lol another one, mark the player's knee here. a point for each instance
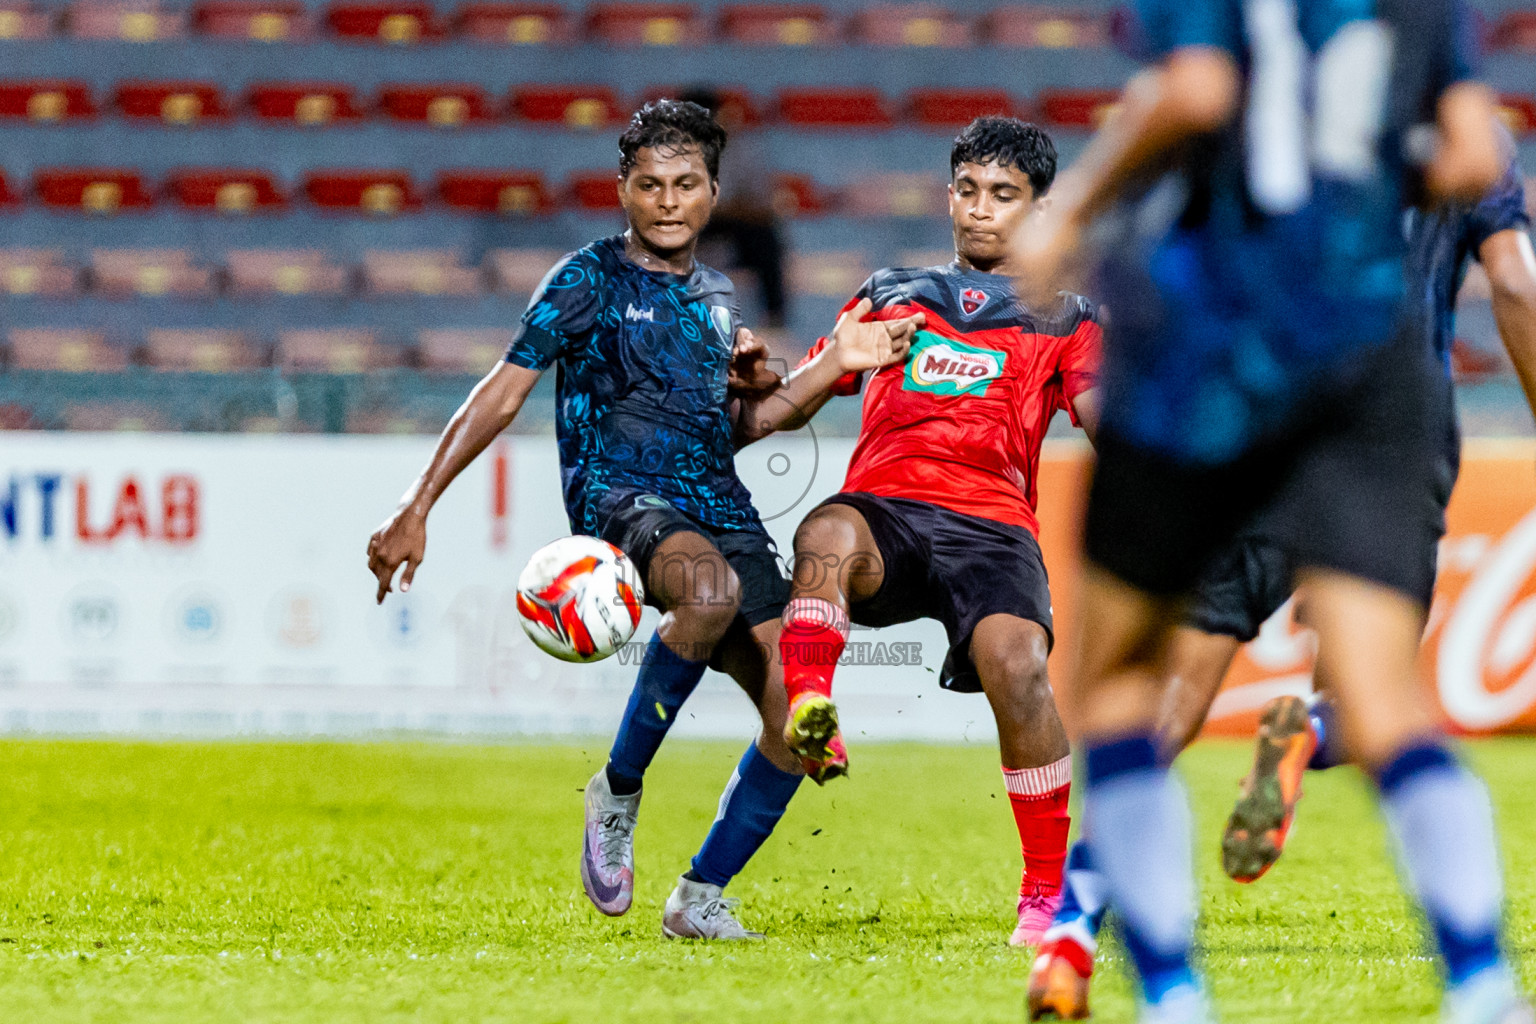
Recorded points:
(1023, 681)
(713, 602)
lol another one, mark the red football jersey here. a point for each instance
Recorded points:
(961, 422)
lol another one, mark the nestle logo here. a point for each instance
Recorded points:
(647, 315)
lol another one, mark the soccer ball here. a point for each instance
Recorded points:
(579, 599)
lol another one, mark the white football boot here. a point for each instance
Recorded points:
(696, 910)
(1488, 997)
(608, 846)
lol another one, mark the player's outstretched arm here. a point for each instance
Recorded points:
(489, 409)
(1511, 266)
(856, 345)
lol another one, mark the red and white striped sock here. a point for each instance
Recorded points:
(1039, 798)
(815, 632)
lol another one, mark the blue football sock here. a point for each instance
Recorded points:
(752, 804)
(664, 683)
(1329, 752)
(1082, 891)
(1136, 820)
(1443, 822)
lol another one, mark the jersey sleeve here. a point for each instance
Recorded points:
(563, 310)
(1169, 25)
(1078, 366)
(1502, 209)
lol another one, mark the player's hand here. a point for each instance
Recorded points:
(749, 375)
(1048, 259)
(859, 344)
(402, 540)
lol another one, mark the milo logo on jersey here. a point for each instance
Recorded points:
(944, 366)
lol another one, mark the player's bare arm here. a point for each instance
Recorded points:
(1086, 408)
(1511, 267)
(489, 409)
(856, 344)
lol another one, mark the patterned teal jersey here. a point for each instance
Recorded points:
(642, 360)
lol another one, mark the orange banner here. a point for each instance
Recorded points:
(1479, 654)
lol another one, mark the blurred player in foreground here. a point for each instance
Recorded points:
(1252, 579)
(936, 518)
(658, 386)
(1252, 359)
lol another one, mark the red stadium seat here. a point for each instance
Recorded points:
(380, 193)
(200, 350)
(519, 271)
(778, 25)
(20, 20)
(418, 272)
(224, 190)
(1048, 27)
(37, 272)
(512, 193)
(284, 272)
(262, 21)
(531, 24)
(462, 350)
(396, 22)
(1077, 108)
(833, 108)
(737, 107)
(573, 106)
(174, 103)
(1514, 32)
(92, 190)
(1519, 113)
(645, 24)
(9, 199)
(124, 273)
(46, 101)
(338, 350)
(449, 105)
(79, 351)
(910, 25)
(896, 195)
(953, 108)
(795, 195)
(595, 191)
(310, 104)
(130, 22)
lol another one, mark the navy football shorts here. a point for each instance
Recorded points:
(952, 567)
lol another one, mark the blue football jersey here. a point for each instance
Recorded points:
(1279, 252)
(642, 358)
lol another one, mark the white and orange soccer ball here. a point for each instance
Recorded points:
(579, 599)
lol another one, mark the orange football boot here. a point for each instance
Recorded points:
(1256, 832)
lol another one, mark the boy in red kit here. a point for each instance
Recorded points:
(936, 518)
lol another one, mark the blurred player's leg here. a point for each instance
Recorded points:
(1197, 664)
(690, 578)
(1438, 811)
(1010, 657)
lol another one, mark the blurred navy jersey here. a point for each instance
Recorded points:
(1272, 257)
(1440, 244)
(641, 387)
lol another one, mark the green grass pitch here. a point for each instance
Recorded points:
(391, 882)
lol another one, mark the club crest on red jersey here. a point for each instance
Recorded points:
(971, 301)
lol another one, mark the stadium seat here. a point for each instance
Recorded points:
(99, 417)
(77, 351)
(896, 195)
(955, 108)
(180, 104)
(833, 108)
(418, 272)
(595, 191)
(1047, 27)
(520, 271)
(1077, 108)
(21, 20)
(394, 22)
(200, 350)
(462, 349)
(46, 101)
(572, 106)
(37, 272)
(530, 24)
(796, 195)
(510, 193)
(152, 273)
(92, 190)
(9, 199)
(1515, 32)
(778, 25)
(258, 272)
(261, 21)
(311, 104)
(333, 350)
(645, 24)
(737, 106)
(225, 190)
(829, 275)
(447, 105)
(1519, 113)
(910, 25)
(130, 22)
(380, 193)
